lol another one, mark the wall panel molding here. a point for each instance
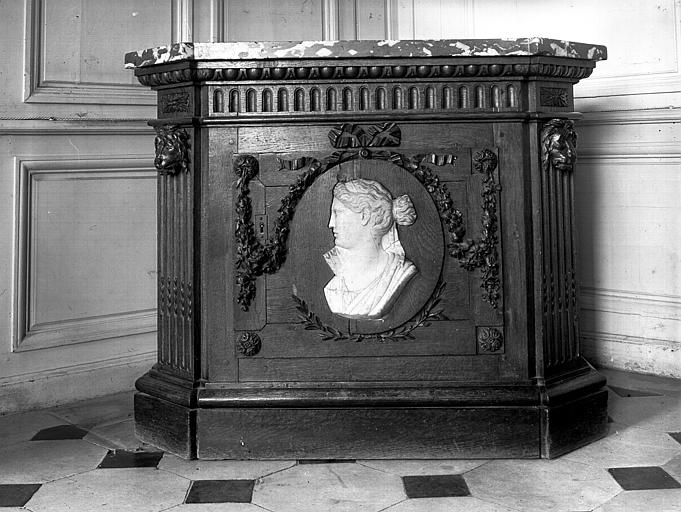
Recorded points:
(27, 334)
(48, 388)
(52, 126)
(634, 354)
(39, 90)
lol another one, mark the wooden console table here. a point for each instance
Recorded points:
(366, 249)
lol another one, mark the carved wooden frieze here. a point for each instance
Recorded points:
(172, 103)
(553, 97)
(355, 136)
(172, 150)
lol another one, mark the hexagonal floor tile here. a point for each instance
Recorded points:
(659, 413)
(328, 487)
(216, 507)
(16, 428)
(98, 411)
(134, 490)
(540, 485)
(640, 381)
(423, 467)
(628, 446)
(120, 435)
(460, 504)
(44, 461)
(673, 467)
(221, 469)
(660, 501)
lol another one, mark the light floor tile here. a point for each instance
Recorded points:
(668, 500)
(540, 485)
(673, 467)
(216, 507)
(423, 467)
(16, 428)
(661, 413)
(221, 469)
(463, 504)
(640, 381)
(628, 446)
(120, 490)
(118, 436)
(329, 488)
(44, 461)
(99, 411)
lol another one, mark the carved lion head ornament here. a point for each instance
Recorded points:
(172, 150)
(558, 141)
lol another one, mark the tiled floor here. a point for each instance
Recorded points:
(85, 457)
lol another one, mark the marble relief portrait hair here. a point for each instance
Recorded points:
(368, 261)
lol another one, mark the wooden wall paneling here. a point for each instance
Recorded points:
(628, 221)
(182, 21)
(87, 68)
(371, 19)
(80, 265)
(273, 20)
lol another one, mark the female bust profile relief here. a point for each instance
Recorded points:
(368, 259)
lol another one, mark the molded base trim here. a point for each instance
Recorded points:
(301, 424)
(38, 390)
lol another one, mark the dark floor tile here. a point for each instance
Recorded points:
(643, 478)
(16, 495)
(610, 420)
(326, 461)
(435, 486)
(59, 433)
(126, 459)
(676, 436)
(220, 491)
(631, 393)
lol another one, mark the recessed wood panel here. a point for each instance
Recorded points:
(273, 20)
(87, 254)
(93, 245)
(85, 41)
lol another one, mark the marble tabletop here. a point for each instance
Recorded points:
(274, 50)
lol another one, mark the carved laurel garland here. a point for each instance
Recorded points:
(312, 322)
(253, 258)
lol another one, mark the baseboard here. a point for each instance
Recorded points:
(640, 355)
(69, 384)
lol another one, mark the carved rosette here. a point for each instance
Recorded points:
(173, 103)
(249, 344)
(490, 339)
(172, 150)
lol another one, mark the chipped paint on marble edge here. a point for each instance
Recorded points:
(252, 50)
